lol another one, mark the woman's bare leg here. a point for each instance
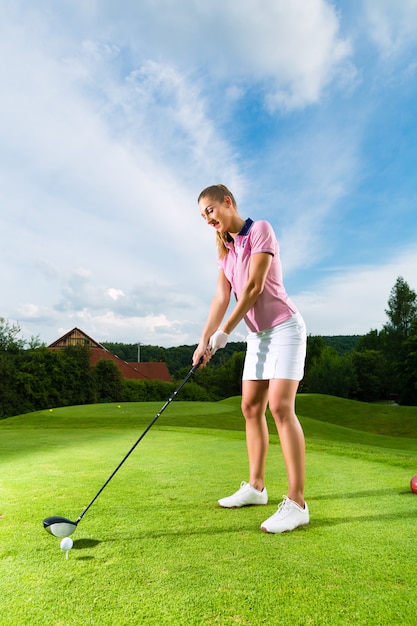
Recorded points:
(282, 394)
(254, 401)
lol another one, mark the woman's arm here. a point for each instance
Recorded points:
(259, 266)
(217, 310)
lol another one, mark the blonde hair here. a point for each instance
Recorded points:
(218, 194)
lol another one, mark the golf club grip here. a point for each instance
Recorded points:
(149, 426)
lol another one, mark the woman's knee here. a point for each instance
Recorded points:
(252, 411)
(282, 411)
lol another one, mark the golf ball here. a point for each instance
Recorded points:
(66, 543)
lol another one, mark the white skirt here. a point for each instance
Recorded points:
(278, 352)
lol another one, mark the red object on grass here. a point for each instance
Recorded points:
(413, 484)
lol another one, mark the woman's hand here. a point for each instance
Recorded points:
(202, 352)
(218, 340)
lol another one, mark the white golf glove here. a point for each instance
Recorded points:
(218, 340)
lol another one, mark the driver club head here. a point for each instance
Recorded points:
(59, 526)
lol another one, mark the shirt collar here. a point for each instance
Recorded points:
(246, 227)
(244, 231)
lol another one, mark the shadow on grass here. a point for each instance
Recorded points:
(352, 495)
(158, 534)
(237, 524)
(245, 526)
(314, 524)
(241, 525)
(81, 544)
(378, 517)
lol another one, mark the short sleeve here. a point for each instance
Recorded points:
(263, 238)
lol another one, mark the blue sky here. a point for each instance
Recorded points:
(114, 116)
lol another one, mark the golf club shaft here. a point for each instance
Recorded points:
(149, 426)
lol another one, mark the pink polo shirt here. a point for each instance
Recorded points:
(273, 305)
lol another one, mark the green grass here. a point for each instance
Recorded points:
(384, 419)
(155, 549)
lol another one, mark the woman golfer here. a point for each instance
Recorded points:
(249, 265)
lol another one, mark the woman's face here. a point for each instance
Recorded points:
(219, 215)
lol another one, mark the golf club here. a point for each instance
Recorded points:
(63, 527)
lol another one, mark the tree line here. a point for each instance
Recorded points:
(381, 365)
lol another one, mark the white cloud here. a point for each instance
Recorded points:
(353, 300)
(292, 49)
(83, 191)
(392, 25)
(150, 329)
(115, 294)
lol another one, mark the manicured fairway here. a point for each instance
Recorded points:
(155, 548)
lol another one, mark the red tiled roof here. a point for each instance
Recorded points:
(132, 371)
(153, 371)
(135, 371)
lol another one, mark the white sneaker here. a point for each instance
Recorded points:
(245, 496)
(289, 516)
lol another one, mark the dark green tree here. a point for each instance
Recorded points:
(33, 382)
(371, 375)
(402, 309)
(409, 369)
(10, 403)
(79, 386)
(9, 341)
(11, 358)
(107, 381)
(373, 340)
(331, 374)
(397, 337)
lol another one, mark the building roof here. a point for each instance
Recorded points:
(75, 337)
(132, 371)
